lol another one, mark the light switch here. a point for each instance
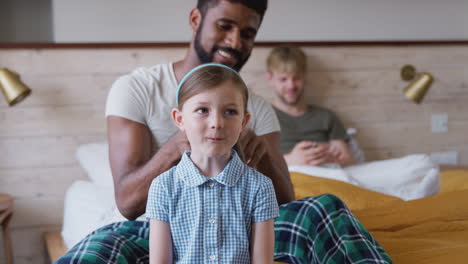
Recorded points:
(439, 123)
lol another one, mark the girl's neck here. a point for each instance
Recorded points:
(210, 166)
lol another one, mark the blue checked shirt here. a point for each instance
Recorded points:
(211, 218)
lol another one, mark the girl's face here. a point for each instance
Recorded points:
(213, 120)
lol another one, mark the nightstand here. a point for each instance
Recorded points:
(6, 210)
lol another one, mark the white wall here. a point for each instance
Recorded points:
(318, 20)
(121, 20)
(26, 21)
(292, 20)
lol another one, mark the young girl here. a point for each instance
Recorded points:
(211, 207)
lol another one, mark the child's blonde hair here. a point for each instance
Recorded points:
(287, 58)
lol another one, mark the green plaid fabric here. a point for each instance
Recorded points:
(121, 242)
(318, 229)
(321, 229)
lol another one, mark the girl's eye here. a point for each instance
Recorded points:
(202, 110)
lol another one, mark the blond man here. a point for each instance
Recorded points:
(310, 135)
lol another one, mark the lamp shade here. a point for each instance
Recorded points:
(12, 88)
(416, 90)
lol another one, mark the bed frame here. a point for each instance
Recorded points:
(55, 245)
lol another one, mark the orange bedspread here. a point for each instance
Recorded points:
(429, 230)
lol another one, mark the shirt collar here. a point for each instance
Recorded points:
(190, 174)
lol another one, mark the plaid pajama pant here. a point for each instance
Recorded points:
(318, 229)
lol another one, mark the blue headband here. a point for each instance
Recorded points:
(194, 70)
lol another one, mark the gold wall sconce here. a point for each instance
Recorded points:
(419, 85)
(12, 87)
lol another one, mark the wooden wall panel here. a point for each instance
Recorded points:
(54, 121)
(36, 182)
(39, 137)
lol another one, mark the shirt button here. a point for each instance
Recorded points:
(212, 184)
(212, 257)
(212, 221)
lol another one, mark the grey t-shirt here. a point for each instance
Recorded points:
(316, 124)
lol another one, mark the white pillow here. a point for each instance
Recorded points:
(87, 207)
(90, 205)
(410, 177)
(94, 159)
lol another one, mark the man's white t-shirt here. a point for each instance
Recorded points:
(147, 96)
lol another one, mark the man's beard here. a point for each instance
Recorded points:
(206, 57)
(290, 102)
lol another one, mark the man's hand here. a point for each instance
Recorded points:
(177, 143)
(253, 147)
(262, 153)
(340, 153)
(308, 153)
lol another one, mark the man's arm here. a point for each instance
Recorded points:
(133, 168)
(272, 164)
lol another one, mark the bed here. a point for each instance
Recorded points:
(429, 230)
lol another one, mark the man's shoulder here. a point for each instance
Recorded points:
(153, 73)
(263, 119)
(132, 95)
(257, 105)
(145, 83)
(255, 99)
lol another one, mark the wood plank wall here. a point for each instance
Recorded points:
(39, 137)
